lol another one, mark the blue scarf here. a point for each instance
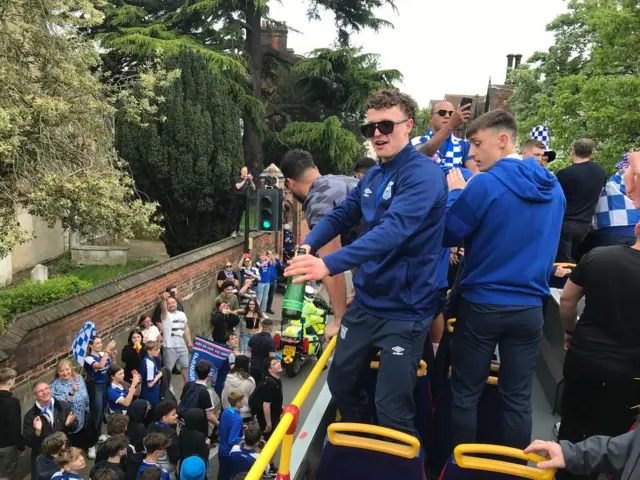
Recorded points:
(454, 151)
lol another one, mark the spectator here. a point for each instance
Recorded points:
(156, 445)
(289, 242)
(167, 415)
(97, 364)
(272, 181)
(45, 464)
(362, 166)
(115, 449)
(274, 267)
(242, 186)
(132, 354)
(136, 429)
(262, 289)
(243, 456)
(603, 355)
(196, 394)
(230, 433)
(533, 148)
(150, 375)
(153, 473)
(239, 379)
(271, 397)
(71, 461)
(106, 475)
(440, 142)
(632, 178)
(119, 394)
(70, 387)
(223, 321)
(177, 336)
(172, 291)
(194, 435)
(582, 183)
(150, 333)
(252, 317)
(248, 271)
(47, 416)
(12, 443)
(218, 379)
(501, 299)
(116, 425)
(193, 468)
(228, 275)
(261, 346)
(228, 296)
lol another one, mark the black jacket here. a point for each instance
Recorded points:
(222, 324)
(194, 435)
(173, 451)
(61, 410)
(136, 430)
(45, 467)
(10, 415)
(132, 360)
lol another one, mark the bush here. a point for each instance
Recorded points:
(32, 294)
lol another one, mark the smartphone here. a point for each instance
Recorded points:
(134, 372)
(466, 101)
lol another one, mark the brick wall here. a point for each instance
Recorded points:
(35, 341)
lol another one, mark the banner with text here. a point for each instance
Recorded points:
(205, 350)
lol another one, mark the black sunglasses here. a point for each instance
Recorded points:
(385, 127)
(443, 113)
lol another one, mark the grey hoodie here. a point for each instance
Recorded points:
(236, 382)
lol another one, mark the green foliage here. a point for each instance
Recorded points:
(422, 123)
(32, 294)
(587, 84)
(187, 162)
(99, 274)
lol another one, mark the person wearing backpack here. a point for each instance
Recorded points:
(196, 394)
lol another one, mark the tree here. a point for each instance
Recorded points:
(587, 84)
(56, 132)
(187, 162)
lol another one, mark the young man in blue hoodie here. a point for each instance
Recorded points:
(402, 201)
(510, 219)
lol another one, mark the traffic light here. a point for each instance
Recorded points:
(269, 210)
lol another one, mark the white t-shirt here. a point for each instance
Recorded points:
(173, 329)
(150, 334)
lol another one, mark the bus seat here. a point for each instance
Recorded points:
(465, 464)
(351, 452)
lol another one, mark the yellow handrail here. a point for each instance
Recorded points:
(422, 368)
(464, 460)
(280, 434)
(450, 324)
(408, 448)
(564, 264)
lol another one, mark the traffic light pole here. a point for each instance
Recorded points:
(247, 214)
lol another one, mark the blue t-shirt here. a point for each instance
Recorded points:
(242, 460)
(145, 465)
(265, 275)
(273, 270)
(113, 395)
(102, 374)
(62, 475)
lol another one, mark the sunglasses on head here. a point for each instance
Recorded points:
(443, 113)
(385, 127)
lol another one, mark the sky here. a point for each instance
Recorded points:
(440, 46)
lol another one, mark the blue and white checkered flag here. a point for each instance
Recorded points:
(80, 344)
(541, 133)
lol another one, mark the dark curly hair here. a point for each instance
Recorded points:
(392, 98)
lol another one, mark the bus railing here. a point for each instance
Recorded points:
(286, 429)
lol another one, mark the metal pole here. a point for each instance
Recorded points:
(247, 212)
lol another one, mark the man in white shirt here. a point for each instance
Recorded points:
(176, 335)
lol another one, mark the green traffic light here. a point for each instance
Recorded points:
(266, 224)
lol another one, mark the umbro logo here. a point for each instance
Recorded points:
(367, 192)
(397, 350)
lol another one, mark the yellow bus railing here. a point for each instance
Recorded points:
(286, 429)
(465, 459)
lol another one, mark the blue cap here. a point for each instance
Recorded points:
(192, 468)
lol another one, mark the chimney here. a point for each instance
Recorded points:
(518, 60)
(510, 61)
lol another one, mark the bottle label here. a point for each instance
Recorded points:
(292, 304)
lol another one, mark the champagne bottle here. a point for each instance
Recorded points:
(294, 296)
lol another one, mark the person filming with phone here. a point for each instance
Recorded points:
(440, 142)
(241, 187)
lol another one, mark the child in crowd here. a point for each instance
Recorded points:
(104, 475)
(116, 425)
(137, 430)
(71, 462)
(115, 448)
(193, 468)
(243, 456)
(155, 445)
(230, 433)
(150, 374)
(167, 415)
(46, 464)
(194, 435)
(152, 473)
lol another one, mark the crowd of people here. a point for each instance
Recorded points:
(149, 433)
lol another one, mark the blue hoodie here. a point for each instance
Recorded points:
(453, 195)
(510, 219)
(402, 203)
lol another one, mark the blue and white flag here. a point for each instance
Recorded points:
(80, 344)
(541, 133)
(205, 350)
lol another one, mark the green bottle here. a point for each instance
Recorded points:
(294, 297)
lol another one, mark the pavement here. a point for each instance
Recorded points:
(290, 388)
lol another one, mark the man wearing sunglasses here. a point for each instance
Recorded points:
(440, 142)
(402, 202)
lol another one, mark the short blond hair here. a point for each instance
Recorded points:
(235, 397)
(6, 375)
(152, 345)
(67, 455)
